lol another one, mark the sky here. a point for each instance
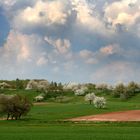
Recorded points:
(70, 40)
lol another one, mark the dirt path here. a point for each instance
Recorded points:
(2, 118)
(133, 115)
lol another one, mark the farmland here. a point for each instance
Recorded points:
(49, 120)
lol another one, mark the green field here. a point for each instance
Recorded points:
(48, 121)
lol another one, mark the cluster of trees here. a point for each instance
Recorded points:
(53, 90)
(99, 102)
(121, 90)
(14, 106)
(126, 91)
(13, 84)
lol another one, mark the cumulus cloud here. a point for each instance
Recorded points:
(88, 17)
(17, 46)
(20, 52)
(42, 61)
(102, 53)
(110, 49)
(86, 53)
(42, 13)
(62, 46)
(124, 13)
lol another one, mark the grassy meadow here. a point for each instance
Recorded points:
(49, 120)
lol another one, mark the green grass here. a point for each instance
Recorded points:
(47, 121)
(71, 132)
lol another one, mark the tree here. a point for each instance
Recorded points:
(90, 97)
(102, 86)
(54, 90)
(14, 106)
(119, 89)
(99, 102)
(132, 88)
(19, 84)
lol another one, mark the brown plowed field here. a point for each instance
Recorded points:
(133, 115)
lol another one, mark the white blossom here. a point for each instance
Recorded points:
(81, 91)
(90, 97)
(99, 102)
(39, 98)
(43, 84)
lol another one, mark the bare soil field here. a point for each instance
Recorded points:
(133, 115)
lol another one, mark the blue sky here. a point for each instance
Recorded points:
(4, 28)
(74, 40)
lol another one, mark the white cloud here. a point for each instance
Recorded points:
(42, 61)
(54, 34)
(110, 49)
(43, 13)
(91, 57)
(86, 53)
(17, 45)
(123, 12)
(8, 2)
(62, 46)
(23, 50)
(88, 17)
